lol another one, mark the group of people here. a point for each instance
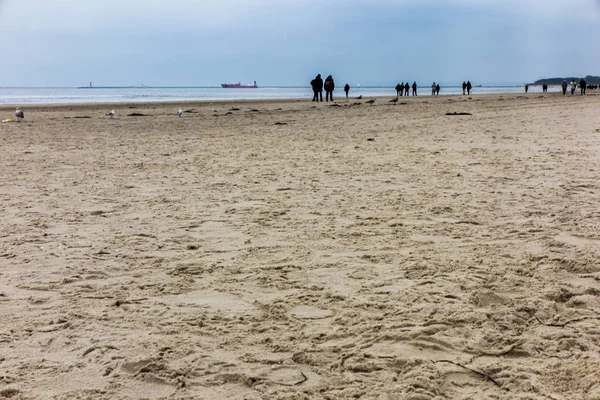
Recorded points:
(466, 87)
(318, 85)
(403, 89)
(573, 86)
(569, 87)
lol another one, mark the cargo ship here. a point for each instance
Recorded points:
(239, 85)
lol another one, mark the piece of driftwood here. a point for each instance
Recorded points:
(484, 375)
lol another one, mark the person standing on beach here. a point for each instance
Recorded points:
(582, 86)
(469, 87)
(406, 88)
(317, 87)
(399, 88)
(414, 88)
(329, 88)
(545, 88)
(437, 89)
(433, 89)
(573, 87)
(564, 87)
(464, 86)
(347, 89)
(526, 88)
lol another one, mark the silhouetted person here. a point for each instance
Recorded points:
(433, 89)
(399, 88)
(526, 88)
(329, 88)
(469, 87)
(582, 86)
(347, 89)
(437, 89)
(464, 86)
(564, 87)
(545, 88)
(317, 87)
(414, 88)
(573, 87)
(406, 88)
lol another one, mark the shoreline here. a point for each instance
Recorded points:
(67, 96)
(205, 103)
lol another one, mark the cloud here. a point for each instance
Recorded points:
(94, 15)
(74, 16)
(184, 42)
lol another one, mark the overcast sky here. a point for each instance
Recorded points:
(287, 42)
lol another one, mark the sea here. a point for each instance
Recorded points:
(21, 96)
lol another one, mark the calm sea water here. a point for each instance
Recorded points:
(20, 96)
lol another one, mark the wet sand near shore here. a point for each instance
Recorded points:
(293, 250)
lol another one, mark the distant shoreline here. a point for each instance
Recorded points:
(424, 86)
(122, 95)
(247, 102)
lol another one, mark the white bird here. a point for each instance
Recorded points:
(179, 112)
(19, 114)
(111, 113)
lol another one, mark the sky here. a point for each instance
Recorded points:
(68, 43)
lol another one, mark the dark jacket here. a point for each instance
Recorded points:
(317, 84)
(329, 84)
(399, 87)
(347, 88)
(414, 86)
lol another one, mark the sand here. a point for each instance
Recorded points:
(271, 250)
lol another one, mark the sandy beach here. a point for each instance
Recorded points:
(293, 250)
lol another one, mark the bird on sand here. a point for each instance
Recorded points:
(394, 100)
(111, 113)
(359, 97)
(179, 112)
(19, 114)
(372, 101)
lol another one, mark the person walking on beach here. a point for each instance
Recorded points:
(347, 89)
(406, 88)
(573, 87)
(564, 87)
(329, 88)
(414, 88)
(464, 86)
(582, 86)
(433, 89)
(317, 87)
(469, 87)
(437, 89)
